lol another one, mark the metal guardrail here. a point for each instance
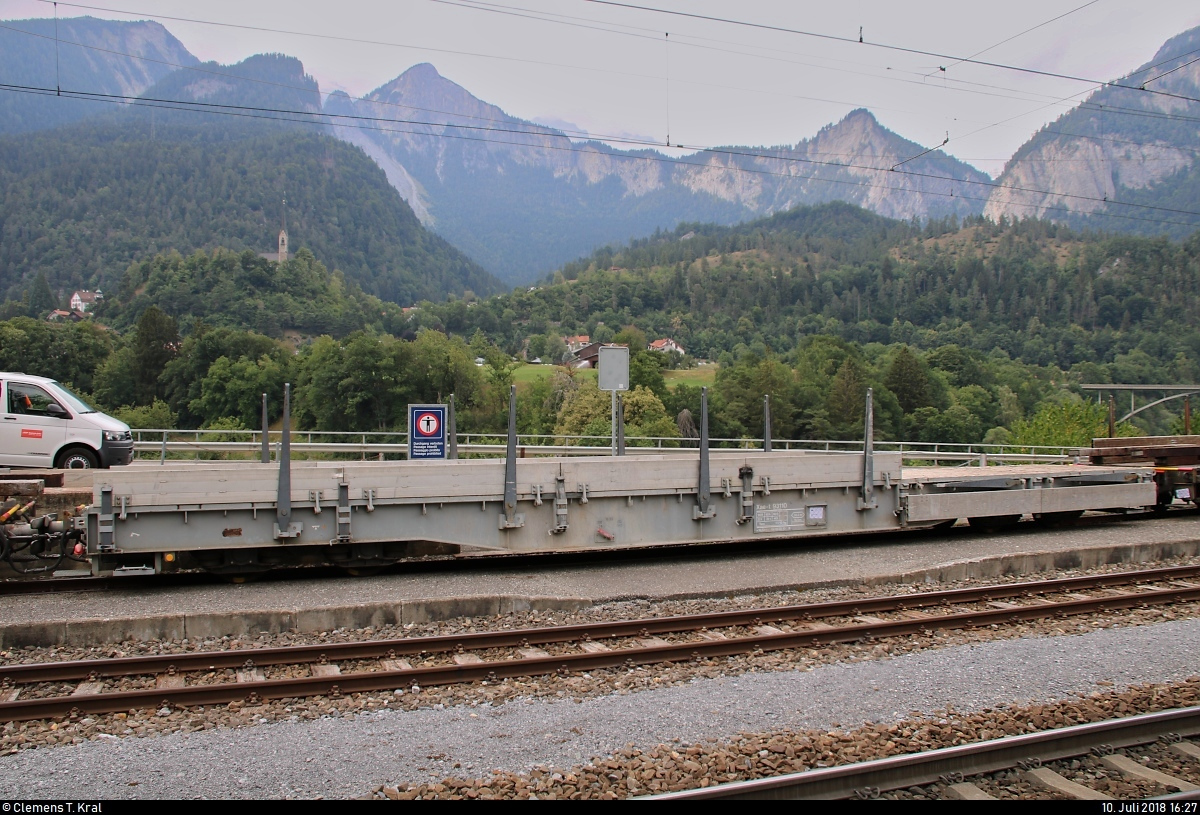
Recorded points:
(198, 444)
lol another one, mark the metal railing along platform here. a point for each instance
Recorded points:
(182, 445)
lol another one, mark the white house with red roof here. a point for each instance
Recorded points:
(577, 342)
(665, 345)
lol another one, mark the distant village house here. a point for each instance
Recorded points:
(576, 342)
(84, 301)
(665, 345)
(589, 355)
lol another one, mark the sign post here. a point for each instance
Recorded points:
(427, 432)
(613, 362)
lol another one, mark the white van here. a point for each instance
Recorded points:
(42, 424)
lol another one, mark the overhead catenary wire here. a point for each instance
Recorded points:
(57, 68)
(1042, 24)
(492, 7)
(534, 128)
(1167, 73)
(1104, 109)
(1153, 114)
(366, 123)
(478, 5)
(889, 47)
(768, 156)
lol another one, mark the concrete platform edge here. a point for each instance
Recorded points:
(236, 624)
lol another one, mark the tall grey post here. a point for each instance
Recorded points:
(284, 527)
(620, 425)
(766, 423)
(511, 519)
(867, 499)
(266, 427)
(614, 423)
(702, 510)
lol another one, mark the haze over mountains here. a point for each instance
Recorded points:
(1133, 153)
(522, 198)
(94, 56)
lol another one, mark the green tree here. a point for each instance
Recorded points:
(954, 425)
(907, 378)
(116, 380)
(586, 411)
(646, 370)
(536, 349)
(633, 337)
(68, 352)
(183, 376)
(738, 398)
(41, 299)
(154, 345)
(646, 419)
(847, 399)
(154, 416)
(442, 365)
(1072, 422)
(233, 389)
(556, 349)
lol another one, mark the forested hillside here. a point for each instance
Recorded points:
(81, 204)
(1024, 310)
(1036, 291)
(967, 333)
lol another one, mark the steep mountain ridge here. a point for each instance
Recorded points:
(268, 81)
(87, 55)
(1116, 144)
(522, 198)
(478, 174)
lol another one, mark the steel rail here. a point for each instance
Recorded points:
(407, 646)
(40, 708)
(915, 769)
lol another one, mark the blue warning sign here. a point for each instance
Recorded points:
(426, 432)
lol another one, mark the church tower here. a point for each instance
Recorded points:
(283, 236)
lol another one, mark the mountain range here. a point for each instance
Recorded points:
(83, 54)
(521, 198)
(1135, 140)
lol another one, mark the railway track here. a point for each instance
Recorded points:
(54, 689)
(1037, 763)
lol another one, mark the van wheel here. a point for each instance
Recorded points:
(77, 458)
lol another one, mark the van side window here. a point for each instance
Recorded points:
(29, 399)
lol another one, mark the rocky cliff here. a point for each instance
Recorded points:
(523, 198)
(88, 55)
(1122, 143)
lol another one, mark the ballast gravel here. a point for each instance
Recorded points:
(349, 756)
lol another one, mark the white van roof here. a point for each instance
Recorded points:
(45, 380)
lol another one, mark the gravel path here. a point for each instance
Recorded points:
(348, 756)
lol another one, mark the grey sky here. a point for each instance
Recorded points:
(715, 83)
